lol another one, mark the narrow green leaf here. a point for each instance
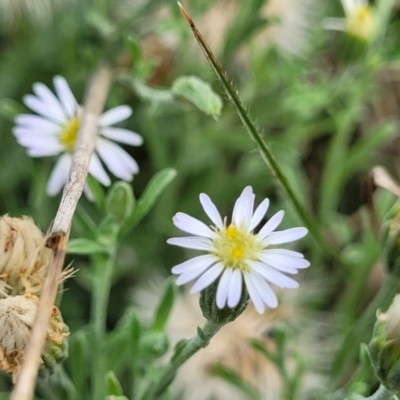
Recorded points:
(235, 380)
(85, 246)
(199, 93)
(153, 190)
(114, 387)
(164, 307)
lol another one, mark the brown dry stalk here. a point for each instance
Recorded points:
(59, 232)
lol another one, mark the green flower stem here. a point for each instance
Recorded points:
(362, 330)
(381, 394)
(183, 351)
(266, 153)
(100, 296)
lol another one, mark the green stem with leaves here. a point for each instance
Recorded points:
(100, 296)
(183, 351)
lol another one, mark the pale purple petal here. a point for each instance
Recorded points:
(253, 293)
(114, 115)
(271, 225)
(286, 236)
(223, 288)
(194, 263)
(285, 252)
(211, 211)
(122, 135)
(235, 288)
(191, 225)
(97, 171)
(259, 214)
(59, 175)
(191, 242)
(207, 278)
(66, 97)
(243, 209)
(117, 160)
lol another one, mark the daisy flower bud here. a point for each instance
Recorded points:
(385, 346)
(237, 258)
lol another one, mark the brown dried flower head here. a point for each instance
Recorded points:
(23, 256)
(17, 315)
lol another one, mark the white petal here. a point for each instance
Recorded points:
(211, 211)
(286, 236)
(191, 242)
(294, 262)
(207, 278)
(191, 225)
(50, 100)
(192, 274)
(122, 135)
(264, 290)
(271, 225)
(259, 214)
(274, 276)
(88, 193)
(223, 288)
(243, 209)
(194, 263)
(47, 146)
(44, 109)
(285, 252)
(117, 160)
(66, 97)
(36, 123)
(50, 150)
(280, 267)
(97, 170)
(59, 175)
(235, 289)
(253, 293)
(114, 115)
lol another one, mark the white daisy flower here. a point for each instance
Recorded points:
(360, 20)
(54, 130)
(236, 254)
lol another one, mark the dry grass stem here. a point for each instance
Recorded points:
(59, 232)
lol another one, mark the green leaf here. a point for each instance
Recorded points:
(120, 201)
(235, 380)
(153, 190)
(114, 387)
(164, 307)
(9, 109)
(85, 246)
(97, 192)
(198, 93)
(78, 360)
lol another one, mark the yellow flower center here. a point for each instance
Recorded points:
(69, 133)
(361, 22)
(234, 247)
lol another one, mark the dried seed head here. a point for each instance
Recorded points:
(23, 256)
(17, 315)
